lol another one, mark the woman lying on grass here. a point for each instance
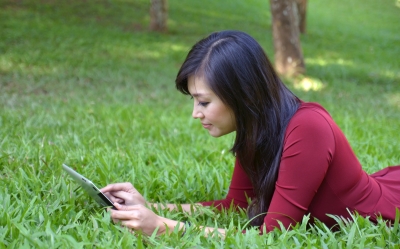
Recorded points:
(291, 157)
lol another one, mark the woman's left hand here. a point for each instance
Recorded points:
(138, 217)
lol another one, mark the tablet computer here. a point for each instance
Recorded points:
(89, 187)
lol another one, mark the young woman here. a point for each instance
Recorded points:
(291, 157)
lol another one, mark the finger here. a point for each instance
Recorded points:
(113, 198)
(122, 195)
(116, 200)
(125, 214)
(109, 195)
(125, 186)
(130, 224)
(127, 208)
(120, 201)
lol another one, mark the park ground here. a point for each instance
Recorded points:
(85, 83)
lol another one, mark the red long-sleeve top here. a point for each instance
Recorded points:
(319, 174)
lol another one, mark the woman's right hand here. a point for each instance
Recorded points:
(123, 193)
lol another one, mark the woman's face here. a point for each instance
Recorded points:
(214, 115)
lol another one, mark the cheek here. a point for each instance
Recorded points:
(231, 122)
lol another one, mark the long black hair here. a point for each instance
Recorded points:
(238, 71)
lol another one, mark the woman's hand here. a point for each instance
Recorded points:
(138, 217)
(123, 193)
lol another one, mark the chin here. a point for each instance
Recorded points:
(214, 134)
(218, 134)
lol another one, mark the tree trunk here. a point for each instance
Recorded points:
(158, 15)
(285, 30)
(302, 13)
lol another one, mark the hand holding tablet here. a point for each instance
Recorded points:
(89, 187)
(123, 193)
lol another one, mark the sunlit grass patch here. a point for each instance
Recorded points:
(394, 99)
(308, 84)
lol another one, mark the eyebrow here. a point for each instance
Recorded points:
(198, 94)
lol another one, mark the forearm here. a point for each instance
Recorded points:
(171, 224)
(188, 208)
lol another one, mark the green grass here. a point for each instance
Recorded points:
(86, 83)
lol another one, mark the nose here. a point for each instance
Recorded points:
(197, 113)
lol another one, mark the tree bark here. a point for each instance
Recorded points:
(286, 35)
(302, 13)
(158, 15)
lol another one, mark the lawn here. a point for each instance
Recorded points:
(85, 83)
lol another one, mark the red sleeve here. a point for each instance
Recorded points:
(307, 152)
(240, 190)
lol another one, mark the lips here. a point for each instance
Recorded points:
(206, 126)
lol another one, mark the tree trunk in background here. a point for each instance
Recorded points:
(158, 15)
(302, 13)
(286, 34)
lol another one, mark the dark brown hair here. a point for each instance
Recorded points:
(238, 71)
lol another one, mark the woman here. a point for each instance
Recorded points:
(291, 158)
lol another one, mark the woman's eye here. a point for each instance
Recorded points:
(203, 103)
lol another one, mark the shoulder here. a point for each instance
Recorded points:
(310, 119)
(310, 134)
(310, 113)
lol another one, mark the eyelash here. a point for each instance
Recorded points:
(204, 104)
